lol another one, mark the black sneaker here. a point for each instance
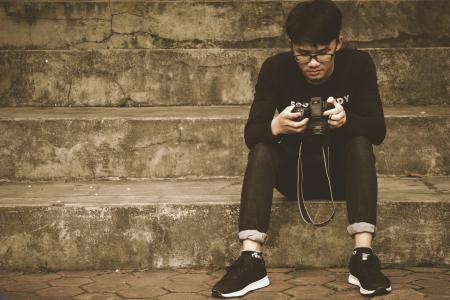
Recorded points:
(365, 272)
(246, 274)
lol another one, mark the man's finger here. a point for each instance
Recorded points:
(340, 115)
(294, 124)
(288, 109)
(291, 116)
(334, 111)
(335, 124)
(332, 101)
(337, 117)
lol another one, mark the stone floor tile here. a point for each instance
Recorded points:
(347, 295)
(60, 291)
(311, 272)
(340, 284)
(395, 272)
(12, 273)
(156, 274)
(6, 280)
(192, 271)
(427, 270)
(403, 286)
(192, 277)
(105, 286)
(279, 276)
(141, 292)
(338, 270)
(114, 277)
(280, 270)
(20, 296)
(277, 286)
(25, 286)
(311, 277)
(97, 296)
(80, 273)
(36, 277)
(407, 278)
(206, 293)
(184, 286)
(400, 294)
(70, 281)
(309, 291)
(265, 296)
(437, 297)
(182, 296)
(148, 281)
(432, 283)
(433, 291)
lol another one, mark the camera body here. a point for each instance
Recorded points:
(318, 123)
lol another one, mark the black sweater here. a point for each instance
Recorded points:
(353, 83)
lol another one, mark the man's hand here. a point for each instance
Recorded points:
(337, 116)
(283, 123)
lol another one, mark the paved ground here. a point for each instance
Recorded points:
(408, 283)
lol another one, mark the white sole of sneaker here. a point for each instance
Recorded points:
(353, 280)
(252, 286)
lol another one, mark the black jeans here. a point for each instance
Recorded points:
(352, 172)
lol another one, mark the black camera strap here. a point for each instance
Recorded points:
(301, 204)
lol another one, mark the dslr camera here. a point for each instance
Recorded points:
(318, 123)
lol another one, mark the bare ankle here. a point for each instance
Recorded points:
(249, 245)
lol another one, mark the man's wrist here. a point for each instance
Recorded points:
(273, 127)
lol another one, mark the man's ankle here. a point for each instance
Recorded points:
(249, 245)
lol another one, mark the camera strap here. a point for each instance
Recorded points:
(301, 204)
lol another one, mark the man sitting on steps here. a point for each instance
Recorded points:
(316, 66)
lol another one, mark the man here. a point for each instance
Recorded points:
(316, 66)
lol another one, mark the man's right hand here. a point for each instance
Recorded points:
(283, 123)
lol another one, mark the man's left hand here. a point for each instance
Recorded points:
(336, 116)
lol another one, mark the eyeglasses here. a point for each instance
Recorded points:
(322, 57)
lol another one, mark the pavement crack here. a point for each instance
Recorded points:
(430, 185)
(68, 94)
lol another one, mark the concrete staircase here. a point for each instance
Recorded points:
(122, 122)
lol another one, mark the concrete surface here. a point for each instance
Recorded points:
(161, 142)
(172, 223)
(209, 24)
(192, 76)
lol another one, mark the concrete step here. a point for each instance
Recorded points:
(192, 77)
(193, 223)
(160, 142)
(209, 24)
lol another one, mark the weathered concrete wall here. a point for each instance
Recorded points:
(209, 24)
(191, 235)
(87, 143)
(191, 77)
(415, 145)
(82, 149)
(54, 25)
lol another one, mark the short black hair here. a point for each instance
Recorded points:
(317, 22)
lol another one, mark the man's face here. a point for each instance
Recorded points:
(317, 70)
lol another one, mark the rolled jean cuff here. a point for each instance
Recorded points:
(253, 235)
(354, 228)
